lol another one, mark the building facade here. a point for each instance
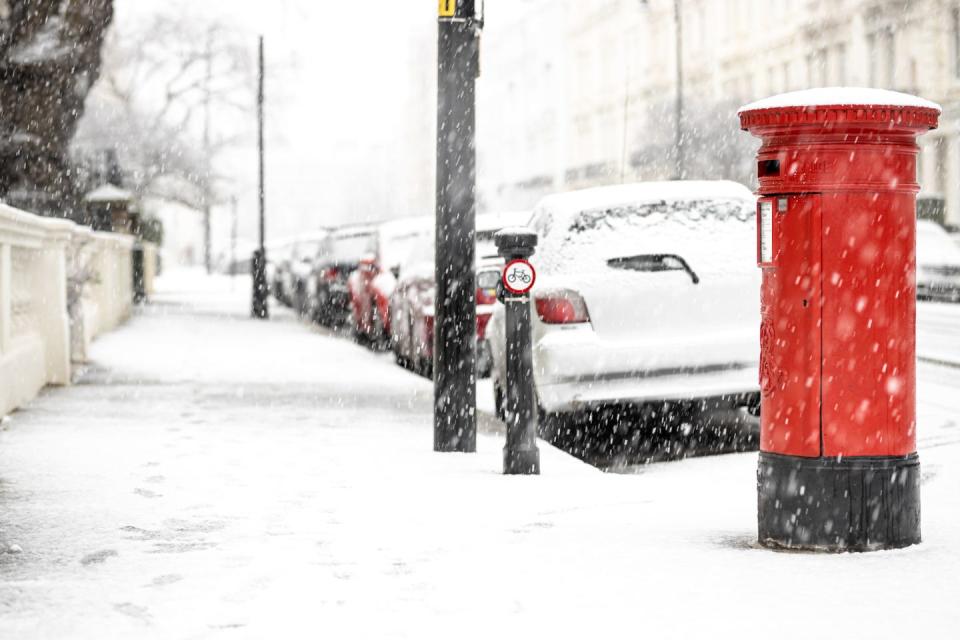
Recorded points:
(583, 93)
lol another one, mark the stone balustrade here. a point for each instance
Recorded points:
(61, 285)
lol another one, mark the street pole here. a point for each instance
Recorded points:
(259, 265)
(678, 115)
(207, 190)
(233, 239)
(455, 322)
(520, 453)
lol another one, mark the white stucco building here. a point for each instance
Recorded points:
(582, 92)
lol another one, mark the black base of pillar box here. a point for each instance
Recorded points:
(521, 461)
(838, 504)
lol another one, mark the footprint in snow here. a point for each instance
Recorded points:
(165, 579)
(98, 557)
(133, 610)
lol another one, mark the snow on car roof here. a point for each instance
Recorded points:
(349, 231)
(840, 96)
(574, 202)
(495, 221)
(311, 236)
(406, 226)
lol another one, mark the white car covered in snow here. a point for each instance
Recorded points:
(938, 263)
(644, 293)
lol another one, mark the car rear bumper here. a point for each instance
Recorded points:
(689, 383)
(939, 290)
(575, 369)
(338, 297)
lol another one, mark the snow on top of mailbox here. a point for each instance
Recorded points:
(840, 96)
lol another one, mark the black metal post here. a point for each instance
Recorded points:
(139, 287)
(261, 307)
(455, 322)
(233, 238)
(520, 454)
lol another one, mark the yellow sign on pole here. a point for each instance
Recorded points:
(448, 8)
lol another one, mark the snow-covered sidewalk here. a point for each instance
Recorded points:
(214, 476)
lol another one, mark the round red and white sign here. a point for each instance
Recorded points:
(519, 276)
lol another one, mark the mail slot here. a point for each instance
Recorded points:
(836, 225)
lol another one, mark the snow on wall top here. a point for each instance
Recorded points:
(840, 96)
(108, 193)
(575, 202)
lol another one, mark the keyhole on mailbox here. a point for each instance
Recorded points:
(805, 303)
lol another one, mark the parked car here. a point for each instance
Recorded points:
(278, 253)
(297, 270)
(340, 253)
(412, 303)
(411, 309)
(487, 226)
(646, 293)
(938, 263)
(278, 261)
(488, 276)
(373, 282)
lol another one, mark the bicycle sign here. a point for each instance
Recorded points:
(519, 276)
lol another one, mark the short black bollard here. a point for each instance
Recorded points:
(139, 288)
(520, 454)
(259, 268)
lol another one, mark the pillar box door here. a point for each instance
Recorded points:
(790, 310)
(836, 222)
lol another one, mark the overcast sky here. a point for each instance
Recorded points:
(337, 73)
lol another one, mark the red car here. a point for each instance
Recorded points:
(411, 306)
(372, 284)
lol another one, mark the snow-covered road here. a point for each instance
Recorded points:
(212, 476)
(938, 332)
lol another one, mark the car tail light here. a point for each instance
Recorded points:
(483, 319)
(561, 307)
(486, 296)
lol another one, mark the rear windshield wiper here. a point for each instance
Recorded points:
(654, 262)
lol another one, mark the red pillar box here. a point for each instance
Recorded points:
(836, 221)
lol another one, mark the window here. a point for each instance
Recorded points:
(891, 56)
(817, 68)
(881, 53)
(943, 147)
(840, 62)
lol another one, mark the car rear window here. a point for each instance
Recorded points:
(395, 249)
(701, 230)
(692, 210)
(351, 248)
(488, 279)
